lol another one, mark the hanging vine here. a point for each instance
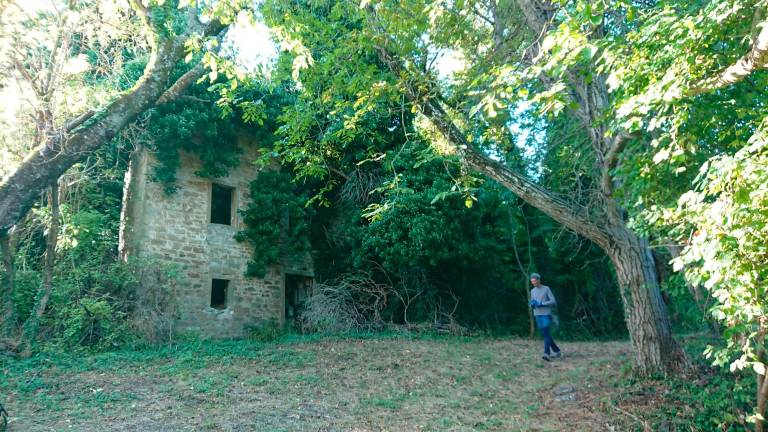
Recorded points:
(276, 221)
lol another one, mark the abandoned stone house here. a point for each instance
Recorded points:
(193, 229)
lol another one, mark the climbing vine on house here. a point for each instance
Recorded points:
(206, 123)
(197, 127)
(276, 221)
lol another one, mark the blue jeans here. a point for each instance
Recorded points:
(543, 322)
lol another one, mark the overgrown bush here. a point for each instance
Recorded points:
(96, 323)
(26, 283)
(90, 308)
(100, 306)
(111, 305)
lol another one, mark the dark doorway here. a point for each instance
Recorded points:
(297, 291)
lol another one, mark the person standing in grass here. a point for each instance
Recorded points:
(542, 301)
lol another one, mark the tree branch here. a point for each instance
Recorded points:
(182, 84)
(90, 131)
(192, 75)
(27, 76)
(571, 215)
(611, 159)
(142, 11)
(77, 121)
(756, 58)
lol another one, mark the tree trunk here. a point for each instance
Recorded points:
(644, 310)
(525, 271)
(32, 324)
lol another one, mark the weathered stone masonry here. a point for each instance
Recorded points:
(177, 230)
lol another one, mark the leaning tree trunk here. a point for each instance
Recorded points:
(644, 310)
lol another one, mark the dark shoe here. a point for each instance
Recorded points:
(545, 357)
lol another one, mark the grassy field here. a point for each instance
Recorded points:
(368, 384)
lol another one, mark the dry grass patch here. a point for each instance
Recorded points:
(329, 385)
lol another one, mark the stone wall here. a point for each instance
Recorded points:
(176, 230)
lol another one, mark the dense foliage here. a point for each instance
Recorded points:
(469, 262)
(728, 214)
(276, 222)
(94, 292)
(198, 129)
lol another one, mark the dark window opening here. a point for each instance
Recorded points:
(219, 289)
(221, 204)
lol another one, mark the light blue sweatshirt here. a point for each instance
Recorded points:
(544, 296)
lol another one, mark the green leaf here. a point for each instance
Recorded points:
(759, 368)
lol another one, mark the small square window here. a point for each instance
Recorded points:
(221, 204)
(219, 291)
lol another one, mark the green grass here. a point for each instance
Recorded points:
(296, 383)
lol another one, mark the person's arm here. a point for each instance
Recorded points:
(550, 298)
(532, 303)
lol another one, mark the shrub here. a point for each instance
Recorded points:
(93, 322)
(90, 307)
(26, 284)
